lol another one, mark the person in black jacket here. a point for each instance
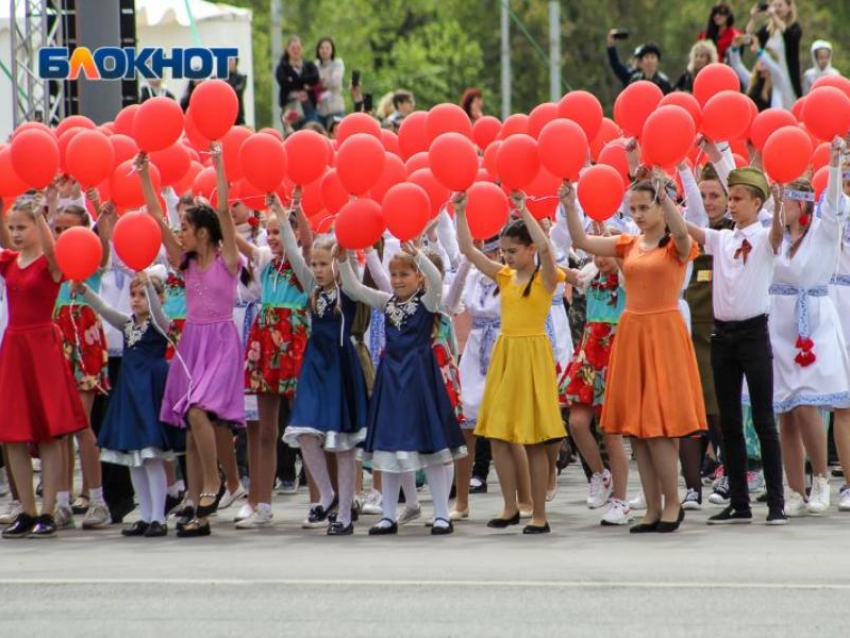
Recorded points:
(298, 80)
(782, 23)
(238, 81)
(648, 56)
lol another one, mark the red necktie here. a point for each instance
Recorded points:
(744, 250)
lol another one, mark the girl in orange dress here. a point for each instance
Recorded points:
(654, 393)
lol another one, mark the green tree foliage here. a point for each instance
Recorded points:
(439, 47)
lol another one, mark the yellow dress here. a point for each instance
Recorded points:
(520, 403)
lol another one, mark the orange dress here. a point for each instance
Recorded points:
(653, 381)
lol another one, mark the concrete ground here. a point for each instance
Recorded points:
(582, 580)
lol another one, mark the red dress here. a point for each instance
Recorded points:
(38, 393)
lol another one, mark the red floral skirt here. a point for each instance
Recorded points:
(583, 382)
(275, 351)
(174, 335)
(85, 347)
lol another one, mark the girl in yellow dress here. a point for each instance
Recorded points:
(520, 403)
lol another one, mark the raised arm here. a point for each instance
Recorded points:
(832, 205)
(229, 251)
(290, 244)
(434, 295)
(5, 239)
(737, 64)
(48, 242)
(354, 288)
(451, 302)
(697, 232)
(305, 231)
(158, 316)
(777, 232)
(106, 216)
(376, 269)
(487, 266)
(113, 317)
(447, 236)
(172, 246)
(602, 246)
(545, 250)
(675, 221)
(694, 208)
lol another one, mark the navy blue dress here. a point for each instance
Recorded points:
(331, 401)
(131, 431)
(411, 421)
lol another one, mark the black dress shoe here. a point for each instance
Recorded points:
(338, 529)
(732, 516)
(536, 529)
(20, 527)
(502, 523)
(136, 529)
(186, 517)
(442, 530)
(156, 529)
(644, 528)
(479, 489)
(44, 527)
(319, 515)
(172, 503)
(194, 529)
(665, 527)
(204, 511)
(384, 530)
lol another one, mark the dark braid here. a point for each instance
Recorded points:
(518, 231)
(203, 216)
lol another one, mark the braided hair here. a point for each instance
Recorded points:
(646, 186)
(518, 231)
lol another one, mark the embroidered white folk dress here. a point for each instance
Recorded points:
(839, 288)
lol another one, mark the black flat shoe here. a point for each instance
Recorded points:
(136, 529)
(44, 527)
(502, 523)
(442, 530)
(644, 528)
(157, 529)
(536, 529)
(665, 527)
(194, 529)
(186, 517)
(205, 511)
(338, 529)
(172, 503)
(479, 489)
(384, 530)
(20, 527)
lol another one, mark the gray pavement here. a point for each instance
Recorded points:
(582, 580)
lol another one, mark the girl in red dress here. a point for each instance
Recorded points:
(34, 377)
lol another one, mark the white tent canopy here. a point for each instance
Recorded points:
(165, 24)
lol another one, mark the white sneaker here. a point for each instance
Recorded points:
(372, 504)
(720, 495)
(618, 513)
(638, 502)
(231, 497)
(601, 486)
(63, 517)
(244, 512)
(844, 499)
(795, 505)
(8, 515)
(97, 516)
(408, 514)
(819, 497)
(692, 501)
(257, 519)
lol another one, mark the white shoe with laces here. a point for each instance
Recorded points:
(231, 497)
(601, 486)
(618, 513)
(795, 505)
(372, 504)
(844, 499)
(97, 516)
(819, 497)
(408, 514)
(63, 517)
(638, 502)
(11, 512)
(692, 500)
(258, 519)
(244, 512)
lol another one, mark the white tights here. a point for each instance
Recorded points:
(151, 486)
(439, 481)
(346, 472)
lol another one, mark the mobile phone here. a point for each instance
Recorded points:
(763, 6)
(621, 35)
(367, 102)
(355, 78)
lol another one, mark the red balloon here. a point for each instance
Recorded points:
(263, 160)
(107, 129)
(489, 159)
(11, 185)
(600, 191)
(35, 157)
(172, 162)
(204, 184)
(412, 136)
(786, 154)
(837, 81)
(74, 121)
(78, 253)
(486, 210)
(797, 108)
(214, 108)
(668, 135)
(821, 156)
(196, 139)
(126, 186)
(185, 184)
(137, 239)
(542, 194)
(826, 112)
(311, 197)
(63, 141)
(726, 116)
(357, 123)
(158, 124)
(360, 162)
(390, 141)
(406, 209)
(515, 124)
(608, 131)
(123, 123)
(584, 109)
(636, 103)
(685, 101)
(91, 158)
(334, 195)
(767, 122)
(359, 224)
(614, 155)
(447, 118)
(322, 222)
(394, 173)
(231, 145)
(124, 147)
(562, 147)
(517, 161)
(271, 131)
(540, 116)
(820, 180)
(483, 175)
(454, 161)
(437, 193)
(307, 156)
(417, 161)
(713, 79)
(485, 130)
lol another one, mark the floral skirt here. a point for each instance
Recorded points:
(583, 382)
(275, 350)
(84, 345)
(451, 377)
(174, 335)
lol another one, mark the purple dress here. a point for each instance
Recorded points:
(209, 350)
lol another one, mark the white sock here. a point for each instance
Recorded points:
(266, 508)
(181, 486)
(157, 479)
(449, 469)
(408, 484)
(63, 499)
(173, 491)
(96, 494)
(346, 470)
(390, 482)
(139, 477)
(317, 464)
(439, 492)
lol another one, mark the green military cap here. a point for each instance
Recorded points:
(752, 177)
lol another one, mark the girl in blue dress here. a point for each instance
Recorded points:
(411, 423)
(132, 433)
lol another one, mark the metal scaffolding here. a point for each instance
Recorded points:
(35, 24)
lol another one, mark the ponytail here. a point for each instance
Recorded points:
(666, 239)
(527, 290)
